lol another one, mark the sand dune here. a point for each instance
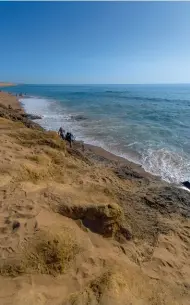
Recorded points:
(76, 228)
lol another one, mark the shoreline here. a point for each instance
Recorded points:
(102, 153)
(98, 153)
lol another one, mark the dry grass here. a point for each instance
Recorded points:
(10, 124)
(45, 253)
(43, 168)
(11, 267)
(32, 173)
(51, 253)
(40, 159)
(57, 156)
(102, 290)
(31, 138)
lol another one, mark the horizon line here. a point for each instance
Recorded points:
(93, 84)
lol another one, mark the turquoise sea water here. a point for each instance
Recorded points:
(148, 124)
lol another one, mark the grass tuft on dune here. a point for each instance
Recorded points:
(47, 252)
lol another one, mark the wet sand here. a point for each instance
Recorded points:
(102, 155)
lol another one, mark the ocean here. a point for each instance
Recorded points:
(147, 124)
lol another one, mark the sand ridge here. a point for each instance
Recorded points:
(76, 228)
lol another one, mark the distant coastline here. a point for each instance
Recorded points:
(6, 84)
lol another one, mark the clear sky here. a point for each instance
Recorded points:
(95, 42)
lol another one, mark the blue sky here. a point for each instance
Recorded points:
(95, 42)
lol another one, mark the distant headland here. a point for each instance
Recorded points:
(6, 84)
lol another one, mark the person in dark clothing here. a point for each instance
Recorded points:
(61, 133)
(70, 138)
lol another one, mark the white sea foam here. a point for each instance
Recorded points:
(171, 166)
(34, 105)
(185, 188)
(53, 115)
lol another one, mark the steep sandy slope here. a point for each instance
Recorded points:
(78, 230)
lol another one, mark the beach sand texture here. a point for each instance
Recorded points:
(85, 227)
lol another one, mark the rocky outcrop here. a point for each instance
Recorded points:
(124, 172)
(32, 116)
(18, 116)
(106, 220)
(168, 199)
(79, 117)
(186, 184)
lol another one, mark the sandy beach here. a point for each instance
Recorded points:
(85, 227)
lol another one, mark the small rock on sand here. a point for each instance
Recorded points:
(15, 225)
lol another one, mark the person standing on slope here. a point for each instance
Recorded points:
(61, 133)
